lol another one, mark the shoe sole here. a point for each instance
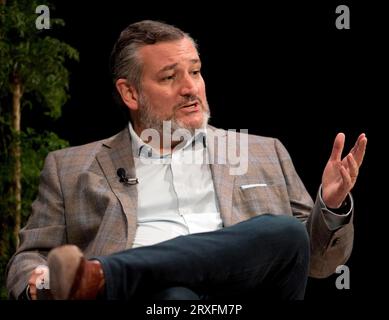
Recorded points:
(63, 264)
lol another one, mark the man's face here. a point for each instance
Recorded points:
(172, 87)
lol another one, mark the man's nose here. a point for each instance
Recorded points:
(188, 86)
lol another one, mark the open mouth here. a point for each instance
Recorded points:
(191, 105)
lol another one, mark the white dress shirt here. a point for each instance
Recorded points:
(174, 197)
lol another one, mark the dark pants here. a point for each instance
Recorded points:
(266, 256)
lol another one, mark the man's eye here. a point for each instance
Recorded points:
(167, 78)
(196, 72)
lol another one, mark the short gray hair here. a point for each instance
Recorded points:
(125, 62)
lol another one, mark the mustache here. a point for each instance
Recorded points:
(188, 100)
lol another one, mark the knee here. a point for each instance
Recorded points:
(293, 227)
(287, 233)
(294, 235)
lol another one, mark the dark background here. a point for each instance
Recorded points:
(279, 69)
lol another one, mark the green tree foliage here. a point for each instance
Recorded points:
(33, 57)
(35, 147)
(33, 74)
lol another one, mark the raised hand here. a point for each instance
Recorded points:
(340, 175)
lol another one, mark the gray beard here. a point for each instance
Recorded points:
(150, 121)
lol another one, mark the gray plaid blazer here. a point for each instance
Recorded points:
(82, 202)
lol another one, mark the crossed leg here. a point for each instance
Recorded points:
(266, 254)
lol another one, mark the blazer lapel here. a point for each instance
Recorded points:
(117, 153)
(220, 168)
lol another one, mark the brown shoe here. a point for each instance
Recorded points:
(72, 277)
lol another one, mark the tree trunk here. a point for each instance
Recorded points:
(16, 158)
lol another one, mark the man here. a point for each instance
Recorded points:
(193, 229)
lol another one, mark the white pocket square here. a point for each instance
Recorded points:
(248, 186)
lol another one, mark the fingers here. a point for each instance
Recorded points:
(337, 148)
(352, 166)
(359, 149)
(32, 283)
(33, 293)
(349, 173)
(347, 181)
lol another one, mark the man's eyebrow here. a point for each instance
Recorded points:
(168, 67)
(195, 61)
(172, 66)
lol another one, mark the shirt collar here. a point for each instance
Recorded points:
(142, 149)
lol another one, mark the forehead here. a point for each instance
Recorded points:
(157, 56)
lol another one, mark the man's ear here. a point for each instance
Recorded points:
(128, 93)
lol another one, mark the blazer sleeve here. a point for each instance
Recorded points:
(44, 230)
(329, 248)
